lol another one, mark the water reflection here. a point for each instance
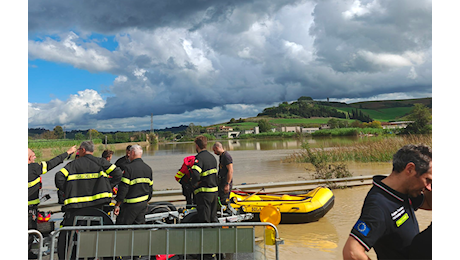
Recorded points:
(163, 149)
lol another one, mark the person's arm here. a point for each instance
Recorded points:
(229, 177)
(369, 228)
(195, 174)
(353, 250)
(60, 179)
(48, 165)
(123, 186)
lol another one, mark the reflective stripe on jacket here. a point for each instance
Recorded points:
(37, 169)
(205, 171)
(136, 184)
(85, 181)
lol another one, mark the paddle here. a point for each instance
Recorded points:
(263, 189)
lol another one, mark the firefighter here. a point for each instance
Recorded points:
(35, 170)
(204, 181)
(85, 182)
(134, 190)
(183, 177)
(122, 161)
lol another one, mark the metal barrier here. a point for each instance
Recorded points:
(164, 239)
(40, 241)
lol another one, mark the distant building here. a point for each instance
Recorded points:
(309, 130)
(289, 129)
(230, 134)
(233, 134)
(299, 129)
(395, 125)
(211, 130)
(225, 128)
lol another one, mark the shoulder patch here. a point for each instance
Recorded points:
(196, 160)
(362, 227)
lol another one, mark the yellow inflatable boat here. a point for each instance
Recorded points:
(301, 208)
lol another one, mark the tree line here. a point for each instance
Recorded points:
(305, 107)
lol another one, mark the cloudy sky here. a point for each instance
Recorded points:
(109, 65)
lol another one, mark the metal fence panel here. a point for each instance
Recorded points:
(182, 239)
(173, 241)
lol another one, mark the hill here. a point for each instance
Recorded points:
(306, 107)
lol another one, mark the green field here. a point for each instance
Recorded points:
(56, 143)
(384, 114)
(294, 121)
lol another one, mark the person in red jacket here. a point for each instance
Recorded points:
(183, 177)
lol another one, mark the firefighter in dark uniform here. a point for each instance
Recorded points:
(134, 190)
(204, 180)
(35, 170)
(183, 177)
(122, 161)
(85, 182)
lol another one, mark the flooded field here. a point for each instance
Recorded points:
(261, 162)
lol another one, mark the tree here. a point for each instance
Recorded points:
(232, 121)
(421, 115)
(192, 130)
(333, 123)
(79, 136)
(93, 134)
(264, 125)
(58, 132)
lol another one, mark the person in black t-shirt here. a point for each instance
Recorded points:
(387, 221)
(122, 161)
(225, 175)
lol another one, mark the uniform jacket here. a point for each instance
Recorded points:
(85, 181)
(37, 169)
(183, 175)
(204, 173)
(136, 183)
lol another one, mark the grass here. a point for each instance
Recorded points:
(384, 114)
(293, 121)
(372, 151)
(57, 143)
(47, 149)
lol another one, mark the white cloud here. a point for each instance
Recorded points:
(385, 59)
(71, 111)
(357, 9)
(240, 53)
(88, 56)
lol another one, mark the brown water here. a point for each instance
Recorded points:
(261, 162)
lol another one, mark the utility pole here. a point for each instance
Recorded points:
(151, 123)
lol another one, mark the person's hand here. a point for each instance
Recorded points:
(116, 210)
(227, 188)
(72, 149)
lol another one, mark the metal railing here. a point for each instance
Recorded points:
(40, 241)
(163, 239)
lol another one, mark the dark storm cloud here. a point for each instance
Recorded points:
(178, 56)
(111, 17)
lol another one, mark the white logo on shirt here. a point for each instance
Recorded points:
(396, 214)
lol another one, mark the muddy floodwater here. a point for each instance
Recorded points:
(261, 162)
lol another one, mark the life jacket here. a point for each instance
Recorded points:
(163, 257)
(43, 216)
(184, 171)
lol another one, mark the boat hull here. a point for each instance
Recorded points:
(303, 208)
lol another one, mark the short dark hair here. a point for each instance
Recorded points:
(106, 153)
(420, 155)
(128, 147)
(201, 141)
